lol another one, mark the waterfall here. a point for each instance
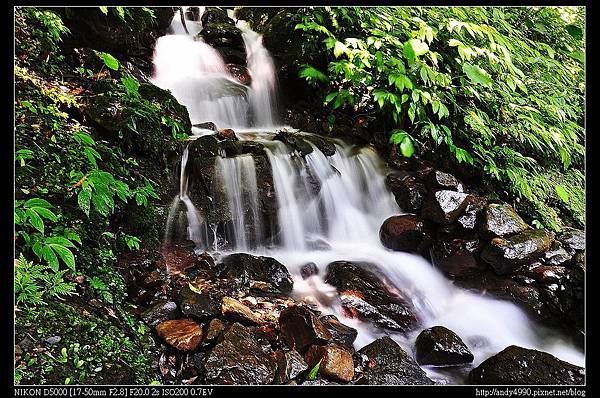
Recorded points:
(328, 207)
(238, 176)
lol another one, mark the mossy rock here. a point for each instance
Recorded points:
(222, 35)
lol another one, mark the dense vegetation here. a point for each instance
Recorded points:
(501, 90)
(72, 185)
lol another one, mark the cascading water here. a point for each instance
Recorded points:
(339, 201)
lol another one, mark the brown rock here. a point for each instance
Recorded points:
(336, 362)
(301, 328)
(183, 334)
(236, 311)
(227, 134)
(213, 330)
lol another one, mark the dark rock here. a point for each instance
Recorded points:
(516, 365)
(222, 35)
(440, 180)
(183, 334)
(196, 304)
(309, 270)
(389, 364)
(301, 328)
(233, 55)
(572, 239)
(239, 73)
(160, 311)
(295, 141)
(468, 220)
(239, 358)
(213, 330)
(556, 255)
(456, 255)
(250, 268)
(150, 280)
(342, 334)
(236, 311)
(323, 144)
(215, 15)
(336, 362)
(444, 207)
(501, 220)
(206, 126)
(204, 146)
(193, 13)
(506, 254)
(319, 382)
(408, 191)
(138, 295)
(407, 232)
(289, 365)
(227, 134)
(442, 347)
(365, 295)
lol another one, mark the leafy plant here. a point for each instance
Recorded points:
(33, 283)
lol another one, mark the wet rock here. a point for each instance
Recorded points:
(444, 207)
(150, 280)
(516, 365)
(407, 232)
(249, 268)
(206, 126)
(440, 180)
(236, 311)
(408, 191)
(215, 15)
(204, 146)
(336, 362)
(289, 365)
(319, 382)
(213, 330)
(572, 239)
(239, 73)
(456, 255)
(323, 144)
(138, 295)
(389, 364)
(239, 358)
(468, 220)
(546, 274)
(301, 328)
(506, 254)
(342, 334)
(501, 220)
(193, 13)
(183, 334)
(196, 304)
(309, 270)
(219, 34)
(442, 347)
(295, 141)
(557, 255)
(366, 295)
(233, 55)
(227, 134)
(160, 311)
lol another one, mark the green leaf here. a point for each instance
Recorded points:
(562, 193)
(37, 202)
(397, 136)
(477, 75)
(406, 147)
(414, 48)
(65, 254)
(35, 220)
(104, 10)
(575, 31)
(110, 61)
(50, 257)
(60, 240)
(329, 97)
(47, 214)
(83, 200)
(312, 375)
(131, 85)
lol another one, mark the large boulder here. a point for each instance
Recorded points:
(439, 180)
(572, 239)
(341, 334)
(160, 311)
(200, 305)
(407, 232)
(364, 295)
(219, 34)
(239, 358)
(389, 364)
(440, 346)
(516, 365)
(444, 206)
(215, 15)
(507, 254)
(251, 269)
(290, 365)
(501, 220)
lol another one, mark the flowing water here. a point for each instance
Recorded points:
(339, 220)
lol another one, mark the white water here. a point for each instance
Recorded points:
(346, 214)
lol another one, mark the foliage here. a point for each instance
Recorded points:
(33, 283)
(499, 88)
